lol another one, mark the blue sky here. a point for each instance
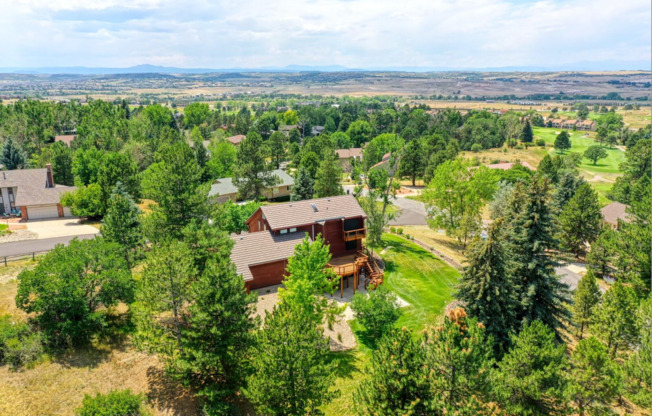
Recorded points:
(353, 33)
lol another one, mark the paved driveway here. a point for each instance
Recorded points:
(412, 212)
(60, 227)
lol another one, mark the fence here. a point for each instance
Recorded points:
(7, 259)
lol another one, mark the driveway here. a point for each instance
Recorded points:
(412, 212)
(571, 274)
(60, 227)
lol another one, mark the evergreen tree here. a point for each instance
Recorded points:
(252, 172)
(413, 162)
(638, 378)
(595, 379)
(585, 299)
(568, 180)
(397, 381)
(615, 320)
(12, 156)
(562, 142)
(530, 379)
(328, 180)
(62, 164)
(542, 296)
(580, 220)
(549, 168)
(198, 148)
(304, 186)
(527, 136)
(486, 289)
(121, 223)
(602, 253)
(291, 375)
(278, 145)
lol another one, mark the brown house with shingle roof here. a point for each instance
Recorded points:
(614, 213)
(33, 193)
(345, 156)
(274, 230)
(65, 138)
(237, 139)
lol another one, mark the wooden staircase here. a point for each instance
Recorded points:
(374, 275)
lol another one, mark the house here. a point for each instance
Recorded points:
(555, 122)
(384, 162)
(345, 156)
(33, 193)
(615, 212)
(509, 165)
(317, 130)
(261, 255)
(65, 139)
(224, 189)
(588, 125)
(237, 139)
(568, 124)
(287, 128)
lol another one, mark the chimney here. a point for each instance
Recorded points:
(50, 182)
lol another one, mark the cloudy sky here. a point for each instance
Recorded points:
(353, 33)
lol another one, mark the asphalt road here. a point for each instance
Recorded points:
(412, 212)
(22, 248)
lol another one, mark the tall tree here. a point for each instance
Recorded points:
(195, 114)
(292, 375)
(602, 253)
(278, 147)
(413, 162)
(222, 160)
(486, 289)
(62, 164)
(580, 220)
(304, 186)
(69, 290)
(638, 378)
(122, 224)
(595, 153)
(328, 180)
(615, 320)
(562, 142)
(252, 172)
(12, 156)
(585, 300)
(526, 134)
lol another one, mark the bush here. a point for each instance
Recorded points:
(114, 403)
(541, 142)
(19, 346)
(377, 311)
(518, 147)
(399, 231)
(476, 147)
(392, 230)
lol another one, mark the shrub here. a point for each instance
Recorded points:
(518, 147)
(23, 351)
(377, 311)
(392, 230)
(114, 403)
(476, 147)
(399, 231)
(541, 142)
(494, 161)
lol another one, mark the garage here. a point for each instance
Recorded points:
(67, 212)
(37, 212)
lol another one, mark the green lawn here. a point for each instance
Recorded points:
(419, 278)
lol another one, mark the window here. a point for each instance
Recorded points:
(285, 231)
(289, 187)
(259, 224)
(293, 230)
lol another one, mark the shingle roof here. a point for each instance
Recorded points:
(285, 178)
(614, 212)
(66, 138)
(302, 213)
(236, 139)
(31, 186)
(349, 153)
(224, 186)
(262, 247)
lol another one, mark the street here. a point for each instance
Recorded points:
(21, 248)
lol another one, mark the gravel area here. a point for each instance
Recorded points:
(18, 235)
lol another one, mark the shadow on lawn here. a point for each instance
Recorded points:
(345, 363)
(167, 394)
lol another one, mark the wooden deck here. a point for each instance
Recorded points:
(352, 266)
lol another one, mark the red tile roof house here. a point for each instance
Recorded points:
(33, 193)
(261, 255)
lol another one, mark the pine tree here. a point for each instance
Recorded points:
(62, 164)
(397, 381)
(602, 252)
(252, 172)
(328, 180)
(526, 134)
(638, 378)
(122, 222)
(562, 141)
(291, 375)
(530, 379)
(595, 379)
(12, 156)
(615, 320)
(413, 160)
(278, 144)
(542, 296)
(585, 299)
(548, 167)
(304, 186)
(580, 220)
(486, 289)
(567, 183)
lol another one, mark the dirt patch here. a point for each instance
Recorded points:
(19, 234)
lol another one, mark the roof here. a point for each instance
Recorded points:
(509, 165)
(614, 212)
(383, 161)
(31, 186)
(236, 139)
(225, 186)
(349, 153)
(287, 127)
(261, 247)
(297, 213)
(66, 138)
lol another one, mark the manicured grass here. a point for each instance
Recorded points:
(419, 278)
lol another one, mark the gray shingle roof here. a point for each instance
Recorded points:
(302, 213)
(225, 186)
(31, 186)
(262, 247)
(614, 212)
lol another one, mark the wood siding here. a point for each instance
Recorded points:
(267, 274)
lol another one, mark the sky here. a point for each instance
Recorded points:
(353, 33)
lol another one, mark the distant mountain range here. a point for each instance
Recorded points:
(149, 69)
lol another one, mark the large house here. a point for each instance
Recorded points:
(224, 189)
(614, 213)
(32, 193)
(345, 156)
(261, 255)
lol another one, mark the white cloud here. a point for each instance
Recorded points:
(358, 33)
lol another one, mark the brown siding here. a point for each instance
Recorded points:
(255, 219)
(334, 235)
(60, 210)
(267, 274)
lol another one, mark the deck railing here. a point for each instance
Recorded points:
(355, 234)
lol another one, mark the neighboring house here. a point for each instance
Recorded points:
(615, 212)
(286, 129)
(317, 130)
(588, 125)
(237, 139)
(345, 156)
(555, 122)
(261, 255)
(33, 193)
(509, 165)
(568, 124)
(65, 138)
(384, 162)
(224, 189)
